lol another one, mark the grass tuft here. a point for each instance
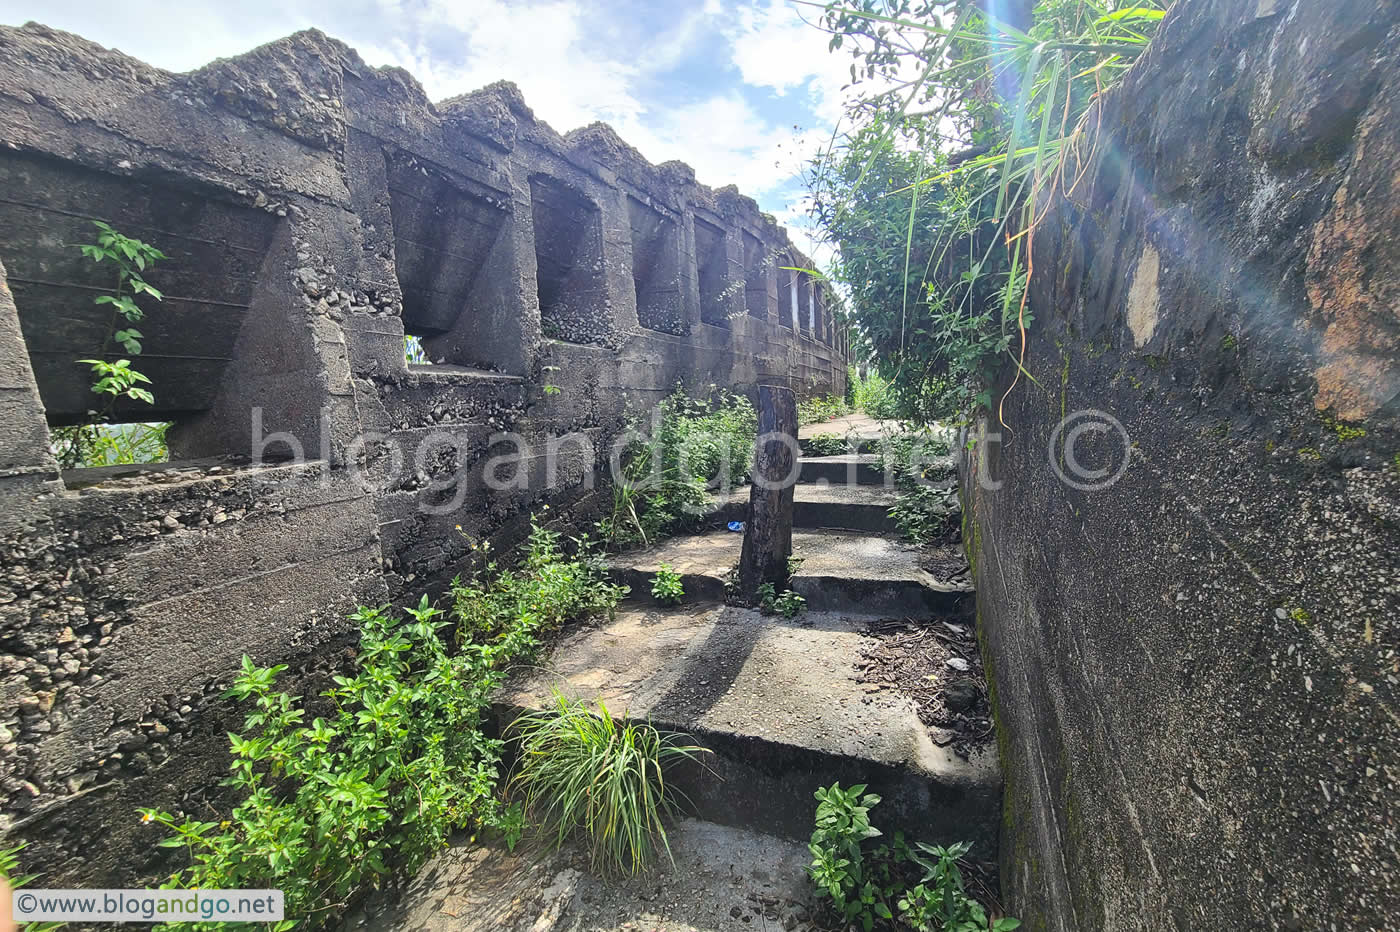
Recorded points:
(588, 772)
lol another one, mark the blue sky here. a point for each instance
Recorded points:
(744, 92)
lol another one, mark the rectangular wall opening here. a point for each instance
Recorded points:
(818, 314)
(787, 295)
(182, 343)
(755, 277)
(804, 302)
(444, 237)
(712, 266)
(656, 269)
(569, 264)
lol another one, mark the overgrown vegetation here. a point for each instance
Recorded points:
(920, 509)
(548, 588)
(971, 123)
(872, 395)
(692, 446)
(821, 408)
(893, 885)
(586, 772)
(95, 442)
(826, 445)
(337, 793)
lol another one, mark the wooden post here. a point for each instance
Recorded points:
(768, 534)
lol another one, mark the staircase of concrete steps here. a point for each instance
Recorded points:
(778, 699)
(780, 702)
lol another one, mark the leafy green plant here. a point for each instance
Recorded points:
(588, 772)
(874, 885)
(9, 872)
(789, 604)
(873, 395)
(826, 445)
(331, 806)
(821, 408)
(113, 379)
(549, 588)
(666, 586)
(666, 477)
(929, 196)
(110, 444)
(786, 603)
(920, 510)
(839, 867)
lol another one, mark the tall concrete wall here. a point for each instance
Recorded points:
(1195, 666)
(315, 210)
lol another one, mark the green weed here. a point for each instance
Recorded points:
(821, 408)
(666, 586)
(826, 445)
(96, 442)
(584, 771)
(328, 807)
(666, 477)
(890, 886)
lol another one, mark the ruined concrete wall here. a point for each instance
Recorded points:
(1195, 661)
(315, 211)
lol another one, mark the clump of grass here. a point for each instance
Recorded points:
(585, 771)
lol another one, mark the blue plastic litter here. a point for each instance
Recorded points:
(736, 526)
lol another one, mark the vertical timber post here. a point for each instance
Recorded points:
(768, 535)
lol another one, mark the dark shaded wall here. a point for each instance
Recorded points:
(315, 210)
(1195, 667)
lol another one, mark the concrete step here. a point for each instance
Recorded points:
(779, 704)
(868, 469)
(844, 571)
(854, 444)
(719, 873)
(844, 469)
(846, 507)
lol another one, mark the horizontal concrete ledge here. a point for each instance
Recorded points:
(778, 705)
(840, 571)
(849, 507)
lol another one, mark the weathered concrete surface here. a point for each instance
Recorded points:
(852, 507)
(840, 571)
(858, 426)
(722, 880)
(779, 704)
(316, 211)
(1194, 669)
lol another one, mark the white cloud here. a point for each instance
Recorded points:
(778, 45)
(547, 48)
(575, 63)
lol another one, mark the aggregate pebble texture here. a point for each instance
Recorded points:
(316, 211)
(1196, 670)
